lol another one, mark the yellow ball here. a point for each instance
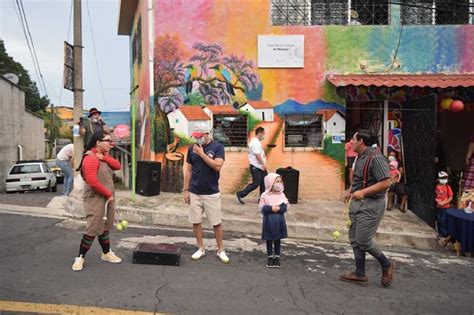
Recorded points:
(124, 224)
(348, 223)
(119, 226)
(446, 103)
(336, 234)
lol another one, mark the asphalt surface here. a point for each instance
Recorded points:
(37, 254)
(35, 198)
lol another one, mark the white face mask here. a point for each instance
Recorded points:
(277, 187)
(201, 141)
(443, 181)
(391, 158)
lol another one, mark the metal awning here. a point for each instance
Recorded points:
(399, 80)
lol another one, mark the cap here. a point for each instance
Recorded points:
(442, 175)
(200, 130)
(93, 111)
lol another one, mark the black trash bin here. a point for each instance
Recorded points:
(291, 179)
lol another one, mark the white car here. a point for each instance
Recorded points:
(31, 175)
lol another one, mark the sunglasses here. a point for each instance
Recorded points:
(107, 140)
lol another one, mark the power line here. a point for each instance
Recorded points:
(95, 54)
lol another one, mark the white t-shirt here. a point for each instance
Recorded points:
(66, 153)
(255, 148)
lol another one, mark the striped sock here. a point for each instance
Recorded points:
(86, 243)
(104, 241)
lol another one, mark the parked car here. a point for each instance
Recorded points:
(56, 170)
(31, 175)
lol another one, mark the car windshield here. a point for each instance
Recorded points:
(25, 169)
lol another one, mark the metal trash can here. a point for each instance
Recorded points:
(291, 179)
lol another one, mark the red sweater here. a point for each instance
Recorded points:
(90, 168)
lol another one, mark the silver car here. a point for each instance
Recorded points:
(31, 175)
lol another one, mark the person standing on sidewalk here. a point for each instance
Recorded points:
(94, 124)
(204, 162)
(258, 165)
(97, 168)
(64, 160)
(369, 190)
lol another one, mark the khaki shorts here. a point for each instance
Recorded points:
(211, 204)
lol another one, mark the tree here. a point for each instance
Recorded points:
(33, 100)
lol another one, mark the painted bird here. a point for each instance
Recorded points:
(224, 75)
(189, 76)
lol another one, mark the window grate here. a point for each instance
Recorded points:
(440, 12)
(291, 12)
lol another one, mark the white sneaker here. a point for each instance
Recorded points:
(223, 257)
(111, 257)
(78, 264)
(198, 254)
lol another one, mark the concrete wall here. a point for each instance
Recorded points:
(17, 127)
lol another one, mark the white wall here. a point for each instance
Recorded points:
(337, 124)
(264, 113)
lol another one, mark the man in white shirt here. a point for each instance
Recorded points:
(64, 161)
(258, 165)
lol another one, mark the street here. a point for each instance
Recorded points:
(37, 254)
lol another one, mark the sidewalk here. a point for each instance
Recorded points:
(314, 220)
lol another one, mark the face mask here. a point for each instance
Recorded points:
(94, 120)
(201, 141)
(277, 187)
(391, 158)
(443, 181)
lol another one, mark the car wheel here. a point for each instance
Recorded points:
(55, 188)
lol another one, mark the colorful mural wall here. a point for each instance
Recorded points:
(205, 55)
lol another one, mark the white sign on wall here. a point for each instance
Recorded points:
(281, 51)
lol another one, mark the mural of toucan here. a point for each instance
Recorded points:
(189, 76)
(224, 75)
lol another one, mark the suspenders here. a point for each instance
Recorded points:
(366, 169)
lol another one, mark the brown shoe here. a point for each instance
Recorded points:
(388, 274)
(353, 278)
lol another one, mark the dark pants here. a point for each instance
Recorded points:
(277, 244)
(257, 180)
(441, 221)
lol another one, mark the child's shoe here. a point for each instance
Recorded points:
(276, 262)
(269, 262)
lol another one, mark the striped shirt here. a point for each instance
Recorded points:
(378, 171)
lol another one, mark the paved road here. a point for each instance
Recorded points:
(30, 198)
(37, 254)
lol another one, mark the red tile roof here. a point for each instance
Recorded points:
(399, 80)
(327, 113)
(260, 104)
(193, 112)
(222, 109)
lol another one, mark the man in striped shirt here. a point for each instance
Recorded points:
(368, 192)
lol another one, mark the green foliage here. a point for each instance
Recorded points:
(196, 98)
(33, 100)
(330, 94)
(252, 120)
(334, 150)
(52, 123)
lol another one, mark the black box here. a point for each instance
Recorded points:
(157, 254)
(148, 178)
(291, 179)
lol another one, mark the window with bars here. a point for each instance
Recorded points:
(439, 12)
(330, 12)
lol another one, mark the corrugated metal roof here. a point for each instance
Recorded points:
(399, 80)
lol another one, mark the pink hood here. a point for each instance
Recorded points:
(269, 197)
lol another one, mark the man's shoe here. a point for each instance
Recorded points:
(269, 262)
(353, 278)
(276, 262)
(111, 258)
(78, 264)
(239, 198)
(198, 254)
(388, 274)
(223, 257)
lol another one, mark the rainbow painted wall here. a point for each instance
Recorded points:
(180, 25)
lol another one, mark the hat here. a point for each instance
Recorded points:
(200, 130)
(93, 111)
(442, 175)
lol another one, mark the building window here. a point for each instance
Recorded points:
(436, 12)
(303, 131)
(330, 12)
(230, 130)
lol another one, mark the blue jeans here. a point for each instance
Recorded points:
(441, 221)
(68, 176)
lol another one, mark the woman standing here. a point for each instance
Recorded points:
(97, 168)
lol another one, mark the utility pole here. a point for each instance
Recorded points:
(78, 88)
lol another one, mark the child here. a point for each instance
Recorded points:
(273, 204)
(395, 179)
(444, 195)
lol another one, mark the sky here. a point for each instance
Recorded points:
(49, 22)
